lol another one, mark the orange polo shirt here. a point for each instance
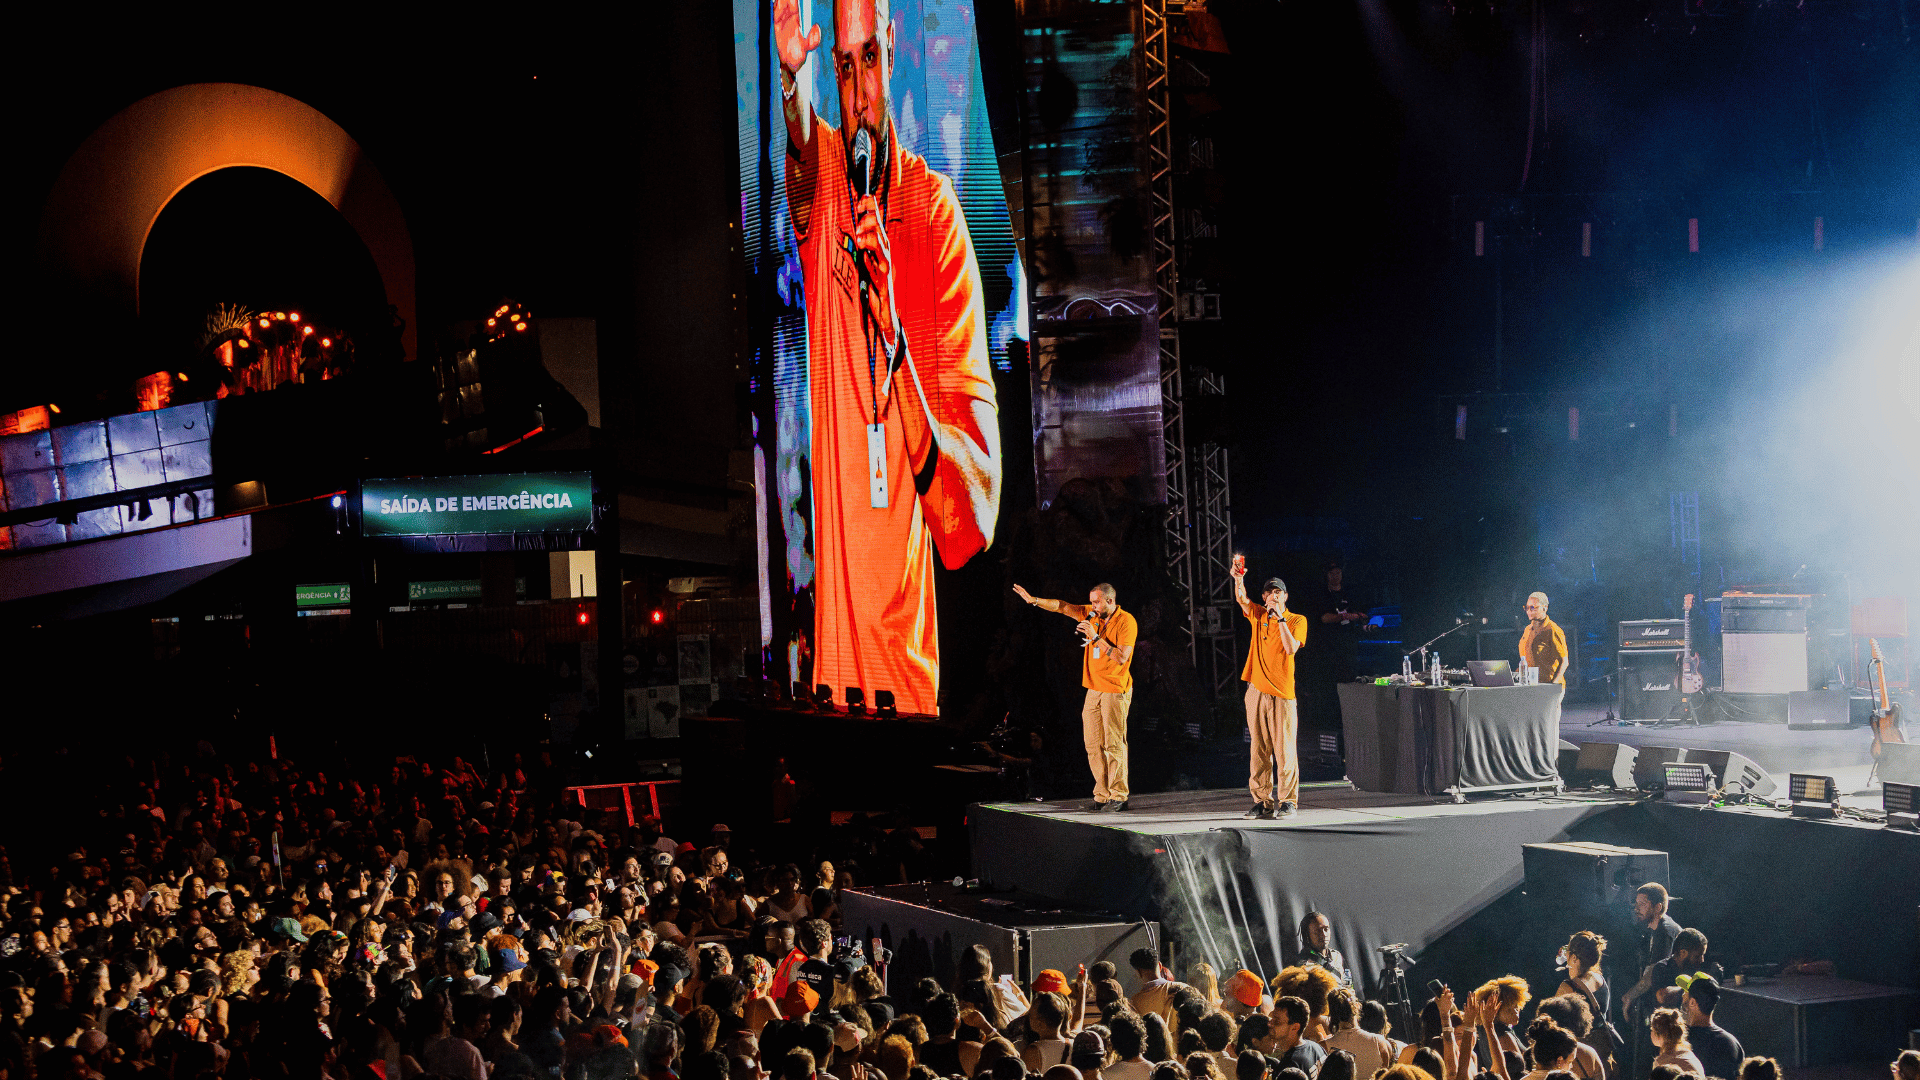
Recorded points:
(1269, 667)
(874, 615)
(1098, 668)
(1545, 646)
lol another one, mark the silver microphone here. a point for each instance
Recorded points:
(863, 162)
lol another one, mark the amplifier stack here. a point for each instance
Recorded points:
(1649, 661)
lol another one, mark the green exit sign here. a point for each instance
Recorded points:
(443, 590)
(317, 596)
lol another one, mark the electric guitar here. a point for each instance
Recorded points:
(1691, 681)
(1886, 719)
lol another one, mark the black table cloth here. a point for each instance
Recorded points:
(1416, 740)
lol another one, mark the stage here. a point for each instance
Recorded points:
(1447, 878)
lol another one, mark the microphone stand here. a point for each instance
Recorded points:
(1422, 650)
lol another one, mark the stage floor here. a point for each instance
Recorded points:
(1843, 753)
(1321, 806)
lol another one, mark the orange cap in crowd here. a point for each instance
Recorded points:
(1050, 981)
(1245, 987)
(801, 1000)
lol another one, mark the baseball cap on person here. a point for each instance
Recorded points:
(1245, 987)
(1274, 583)
(579, 915)
(510, 961)
(720, 828)
(287, 928)
(800, 1000)
(1050, 981)
(645, 969)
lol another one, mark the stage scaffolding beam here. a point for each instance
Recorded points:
(1157, 111)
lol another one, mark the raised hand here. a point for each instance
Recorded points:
(792, 43)
(1023, 594)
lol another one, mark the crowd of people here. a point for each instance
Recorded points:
(407, 920)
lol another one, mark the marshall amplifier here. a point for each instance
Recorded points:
(1763, 620)
(1649, 684)
(1651, 633)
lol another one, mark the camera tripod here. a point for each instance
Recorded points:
(1393, 988)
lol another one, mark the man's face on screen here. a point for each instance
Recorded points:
(862, 66)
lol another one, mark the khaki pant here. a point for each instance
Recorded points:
(1103, 727)
(1275, 723)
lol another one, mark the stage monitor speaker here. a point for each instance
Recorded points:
(1729, 767)
(1602, 763)
(930, 925)
(1649, 768)
(1565, 760)
(1812, 710)
(1650, 684)
(1589, 877)
(1900, 763)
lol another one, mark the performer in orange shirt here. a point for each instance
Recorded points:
(906, 451)
(1273, 713)
(1107, 637)
(1543, 644)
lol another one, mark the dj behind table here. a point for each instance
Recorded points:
(1406, 737)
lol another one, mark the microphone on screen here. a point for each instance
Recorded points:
(863, 186)
(863, 162)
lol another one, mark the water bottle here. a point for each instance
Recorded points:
(1436, 679)
(1406, 668)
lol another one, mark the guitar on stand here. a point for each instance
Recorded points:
(1886, 719)
(1691, 681)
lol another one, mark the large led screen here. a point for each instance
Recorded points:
(885, 290)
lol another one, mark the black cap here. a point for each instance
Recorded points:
(1274, 583)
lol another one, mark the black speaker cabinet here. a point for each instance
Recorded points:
(1812, 710)
(1649, 684)
(1731, 768)
(1589, 877)
(1602, 763)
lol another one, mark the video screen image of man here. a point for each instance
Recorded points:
(905, 443)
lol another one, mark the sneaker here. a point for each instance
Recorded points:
(1287, 809)
(1097, 806)
(1259, 811)
(1116, 807)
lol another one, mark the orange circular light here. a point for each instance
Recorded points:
(242, 342)
(265, 322)
(279, 315)
(327, 342)
(55, 408)
(293, 316)
(306, 330)
(490, 322)
(520, 326)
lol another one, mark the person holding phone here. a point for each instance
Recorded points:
(1107, 636)
(1273, 712)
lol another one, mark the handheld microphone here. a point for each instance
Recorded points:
(863, 162)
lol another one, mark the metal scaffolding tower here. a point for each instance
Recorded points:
(1179, 535)
(1684, 509)
(1216, 615)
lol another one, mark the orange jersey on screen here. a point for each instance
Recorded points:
(874, 615)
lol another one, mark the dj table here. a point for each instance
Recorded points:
(1416, 740)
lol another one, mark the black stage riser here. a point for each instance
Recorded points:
(929, 926)
(1765, 889)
